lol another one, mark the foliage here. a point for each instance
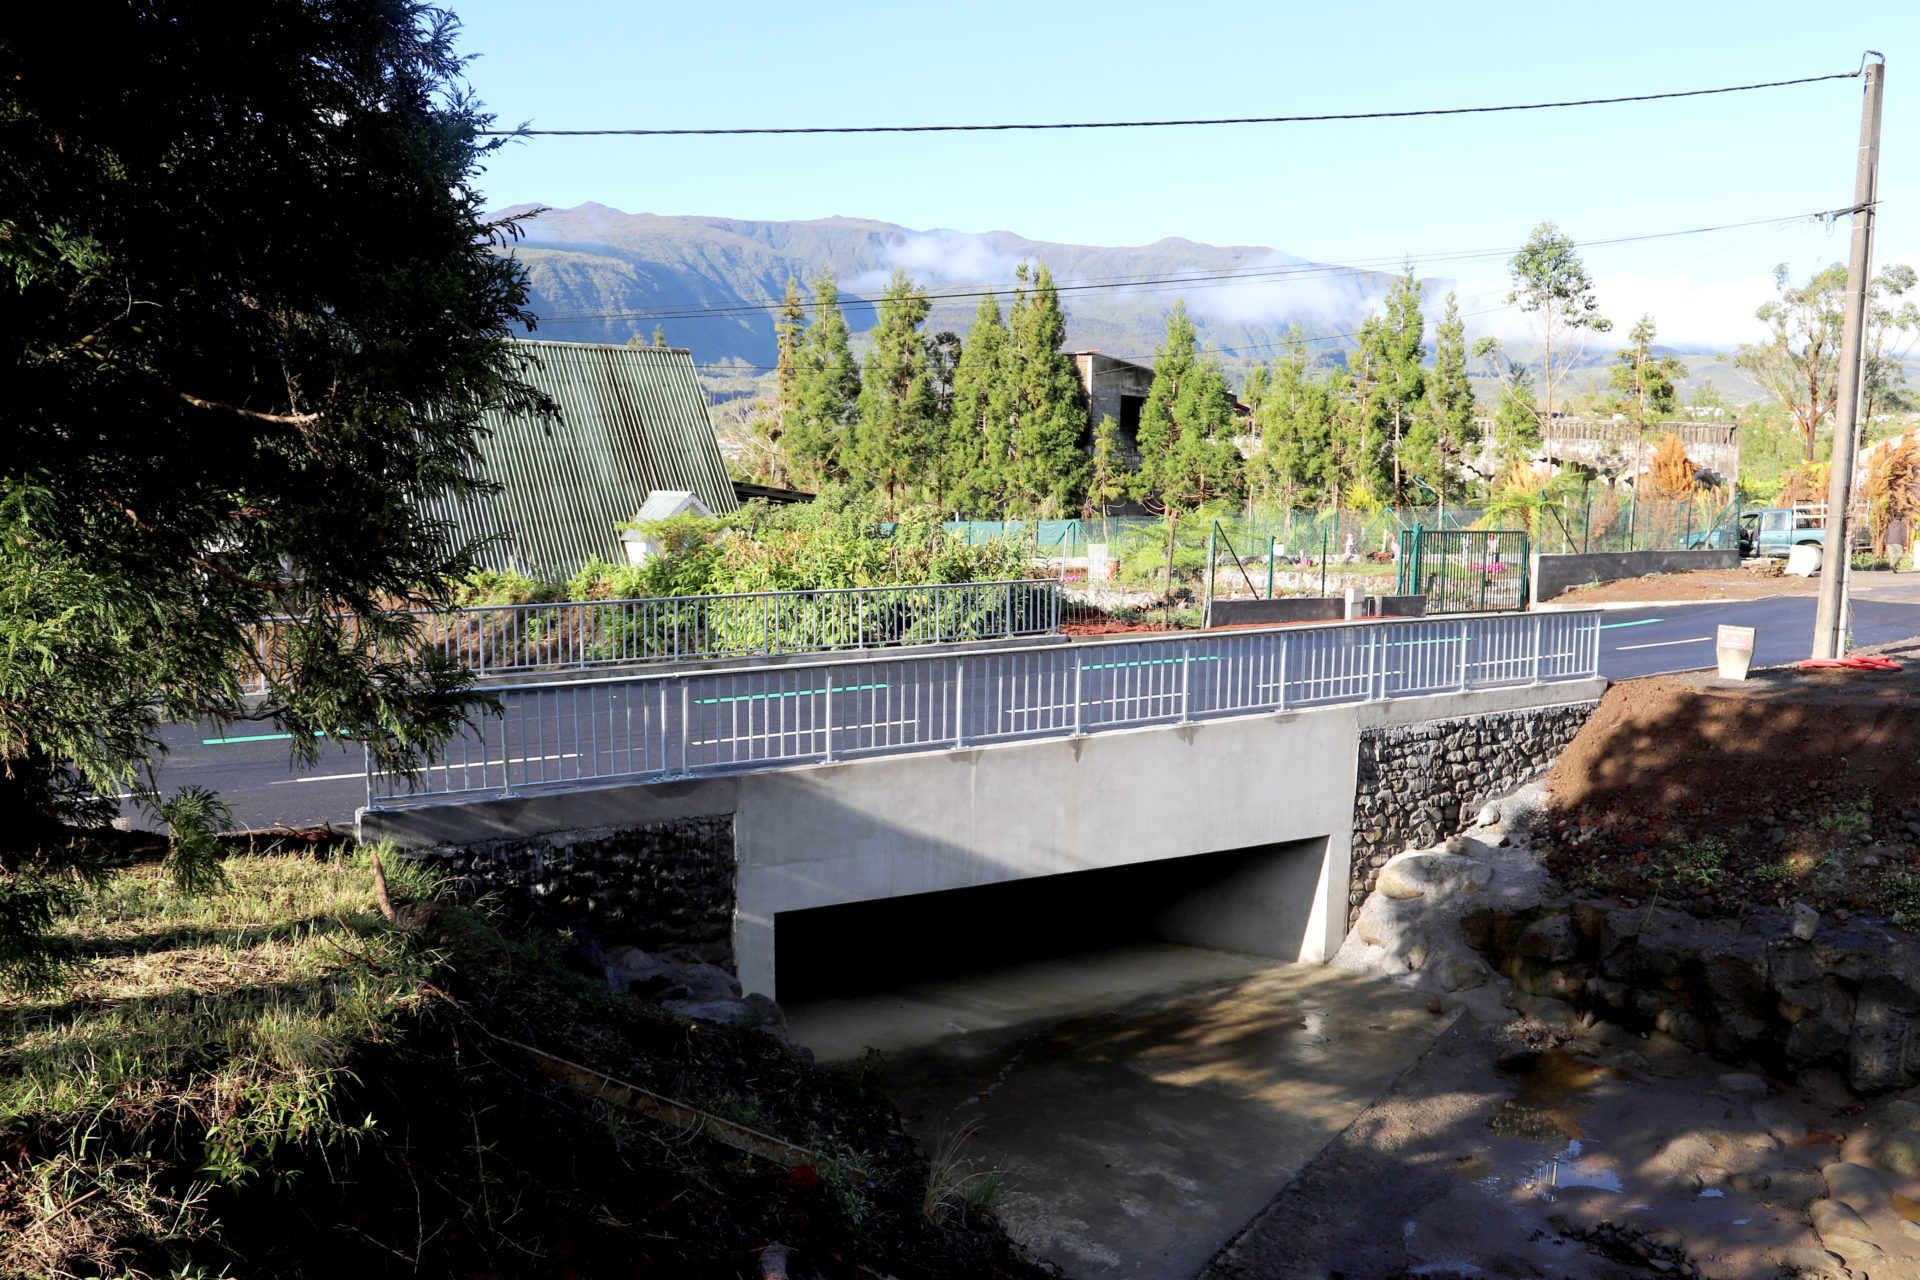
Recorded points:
(898, 431)
(1893, 485)
(1446, 429)
(1293, 418)
(502, 586)
(1805, 483)
(1672, 474)
(1047, 468)
(225, 401)
(1645, 386)
(1110, 474)
(1187, 453)
(826, 390)
(979, 435)
(1399, 349)
(1552, 288)
(234, 1011)
(1799, 362)
(841, 540)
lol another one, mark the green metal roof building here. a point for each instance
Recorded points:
(632, 420)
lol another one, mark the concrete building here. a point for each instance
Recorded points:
(1609, 446)
(1117, 389)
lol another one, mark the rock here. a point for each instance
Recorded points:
(1809, 1261)
(1779, 1122)
(1553, 940)
(1836, 1221)
(1489, 814)
(1910, 1229)
(1412, 875)
(1684, 1154)
(1855, 1185)
(1899, 1153)
(699, 981)
(1896, 1113)
(626, 967)
(769, 1015)
(725, 1011)
(1806, 922)
(1743, 1083)
(1556, 1016)
(1463, 973)
(1859, 1255)
(1750, 1183)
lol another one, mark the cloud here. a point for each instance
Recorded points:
(1319, 300)
(938, 259)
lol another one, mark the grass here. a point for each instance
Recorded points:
(236, 1012)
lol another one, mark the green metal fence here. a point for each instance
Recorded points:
(1594, 519)
(1465, 570)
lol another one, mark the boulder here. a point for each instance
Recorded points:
(1854, 1185)
(1413, 875)
(1806, 922)
(1552, 940)
(1743, 1083)
(1898, 1152)
(1836, 1221)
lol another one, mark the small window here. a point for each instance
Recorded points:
(1807, 522)
(1773, 521)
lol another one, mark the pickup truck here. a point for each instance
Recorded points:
(1770, 531)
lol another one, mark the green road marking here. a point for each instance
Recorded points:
(1145, 662)
(1642, 622)
(258, 737)
(795, 693)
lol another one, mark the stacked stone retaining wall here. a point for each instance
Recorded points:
(659, 886)
(1420, 783)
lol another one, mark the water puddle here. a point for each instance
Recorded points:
(1566, 1169)
(1551, 1095)
(1908, 1209)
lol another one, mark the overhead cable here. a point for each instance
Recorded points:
(524, 132)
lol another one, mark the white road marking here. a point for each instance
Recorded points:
(1661, 644)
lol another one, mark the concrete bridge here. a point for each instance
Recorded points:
(1230, 791)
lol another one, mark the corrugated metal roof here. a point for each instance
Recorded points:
(632, 420)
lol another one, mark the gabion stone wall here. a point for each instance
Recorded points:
(658, 886)
(1419, 784)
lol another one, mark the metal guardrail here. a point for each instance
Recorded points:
(673, 726)
(505, 639)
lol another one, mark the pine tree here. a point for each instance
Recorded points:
(1047, 471)
(896, 435)
(826, 388)
(978, 427)
(1293, 419)
(1403, 380)
(1110, 475)
(1444, 430)
(1187, 454)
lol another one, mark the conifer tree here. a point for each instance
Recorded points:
(1187, 453)
(1401, 340)
(1047, 471)
(896, 435)
(978, 428)
(1294, 422)
(1110, 473)
(1444, 430)
(826, 388)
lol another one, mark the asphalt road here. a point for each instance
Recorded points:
(252, 771)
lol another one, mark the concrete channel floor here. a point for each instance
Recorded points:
(1145, 1102)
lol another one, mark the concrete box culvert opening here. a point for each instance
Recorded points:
(1256, 901)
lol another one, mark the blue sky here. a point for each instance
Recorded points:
(1347, 192)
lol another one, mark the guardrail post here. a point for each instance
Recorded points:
(1186, 682)
(959, 703)
(367, 751)
(1377, 677)
(1466, 649)
(1537, 620)
(1076, 693)
(686, 727)
(1284, 645)
(829, 717)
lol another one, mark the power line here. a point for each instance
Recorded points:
(1151, 124)
(1222, 277)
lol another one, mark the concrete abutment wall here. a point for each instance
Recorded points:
(827, 835)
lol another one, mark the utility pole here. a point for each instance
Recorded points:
(1829, 627)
